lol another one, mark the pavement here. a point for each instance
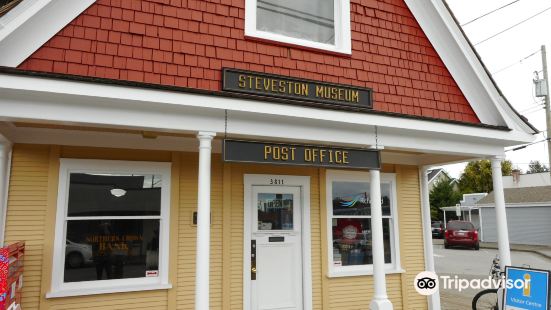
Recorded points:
(544, 251)
(469, 264)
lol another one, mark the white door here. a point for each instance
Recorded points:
(276, 248)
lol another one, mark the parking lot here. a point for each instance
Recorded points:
(470, 264)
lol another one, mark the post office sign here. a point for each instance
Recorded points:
(301, 155)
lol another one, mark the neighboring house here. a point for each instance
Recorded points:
(440, 175)
(528, 215)
(234, 154)
(468, 209)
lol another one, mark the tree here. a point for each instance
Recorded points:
(536, 166)
(442, 195)
(477, 176)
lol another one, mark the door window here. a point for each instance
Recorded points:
(275, 211)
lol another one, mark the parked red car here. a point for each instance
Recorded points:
(461, 233)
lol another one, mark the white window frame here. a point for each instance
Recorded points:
(343, 37)
(361, 270)
(68, 166)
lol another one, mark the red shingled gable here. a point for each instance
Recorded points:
(188, 42)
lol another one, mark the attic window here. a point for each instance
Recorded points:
(319, 24)
(7, 5)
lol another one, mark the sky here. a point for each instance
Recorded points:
(505, 57)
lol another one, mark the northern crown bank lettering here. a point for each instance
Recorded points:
(296, 89)
(302, 155)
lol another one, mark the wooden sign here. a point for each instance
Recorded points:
(301, 155)
(282, 87)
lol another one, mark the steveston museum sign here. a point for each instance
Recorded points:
(299, 155)
(282, 87)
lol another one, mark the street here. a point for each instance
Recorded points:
(470, 264)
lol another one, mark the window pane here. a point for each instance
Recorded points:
(311, 20)
(111, 249)
(352, 241)
(275, 211)
(353, 198)
(114, 195)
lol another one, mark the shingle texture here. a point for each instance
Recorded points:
(522, 195)
(187, 43)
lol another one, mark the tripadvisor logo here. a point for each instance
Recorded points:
(426, 283)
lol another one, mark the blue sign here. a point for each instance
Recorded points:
(526, 289)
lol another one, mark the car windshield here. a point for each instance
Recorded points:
(460, 226)
(435, 224)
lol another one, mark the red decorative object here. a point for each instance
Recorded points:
(11, 275)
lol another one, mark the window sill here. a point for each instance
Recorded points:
(107, 290)
(356, 273)
(298, 43)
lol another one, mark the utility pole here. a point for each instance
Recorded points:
(542, 90)
(547, 103)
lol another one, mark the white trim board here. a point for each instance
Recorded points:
(48, 100)
(303, 182)
(29, 25)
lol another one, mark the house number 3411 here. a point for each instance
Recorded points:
(276, 181)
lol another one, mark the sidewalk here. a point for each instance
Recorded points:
(542, 250)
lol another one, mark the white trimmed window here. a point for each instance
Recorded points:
(319, 24)
(349, 223)
(112, 227)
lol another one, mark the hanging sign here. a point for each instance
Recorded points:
(301, 155)
(526, 289)
(283, 87)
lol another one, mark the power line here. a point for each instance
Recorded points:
(507, 29)
(516, 62)
(486, 14)
(533, 108)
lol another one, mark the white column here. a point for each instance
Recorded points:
(433, 300)
(501, 216)
(203, 223)
(5, 163)
(380, 299)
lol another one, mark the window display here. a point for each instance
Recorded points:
(111, 227)
(101, 247)
(349, 217)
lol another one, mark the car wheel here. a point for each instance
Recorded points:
(75, 260)
(477, 246)
(446, 245)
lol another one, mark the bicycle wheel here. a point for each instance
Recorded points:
(485, 300)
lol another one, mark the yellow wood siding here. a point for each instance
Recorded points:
(31, 204)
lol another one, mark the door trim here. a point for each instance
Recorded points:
(289, 180)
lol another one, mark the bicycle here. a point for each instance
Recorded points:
(489, 299)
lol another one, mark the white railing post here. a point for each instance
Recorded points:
(203, 222)
(434, 299)
(501, 214)
(380, 299)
